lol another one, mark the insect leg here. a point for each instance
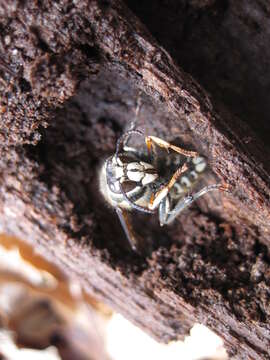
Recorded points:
(188, 200)
(150, 140)
(163, 210)
(161, 194)
(127, 227)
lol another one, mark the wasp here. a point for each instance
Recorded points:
(134, 179)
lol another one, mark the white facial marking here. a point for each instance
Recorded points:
(160, 196)
(134, 166)
(146, 165)
(119, 172)
(135, 175)
(185, 181)
(129, 149)
(148, 178)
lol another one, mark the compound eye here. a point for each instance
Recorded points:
(128, 186)
(125, 158)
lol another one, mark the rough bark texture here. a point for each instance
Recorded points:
(77, 67)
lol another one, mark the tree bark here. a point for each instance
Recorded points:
(71, 73)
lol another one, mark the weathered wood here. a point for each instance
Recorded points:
(211, 266)
(224, 45)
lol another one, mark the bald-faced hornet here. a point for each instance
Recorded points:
(132, 179)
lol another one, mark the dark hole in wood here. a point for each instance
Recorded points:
(84, 133)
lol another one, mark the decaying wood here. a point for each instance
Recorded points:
(77, 67)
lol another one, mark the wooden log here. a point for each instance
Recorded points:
(78, 68)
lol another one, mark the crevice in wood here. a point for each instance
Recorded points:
(212, 266)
